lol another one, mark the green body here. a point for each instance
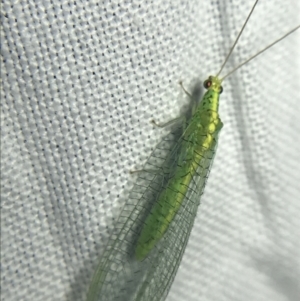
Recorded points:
(199, 137)
(187, 163)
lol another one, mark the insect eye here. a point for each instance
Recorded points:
(221, 89)
(207, 84)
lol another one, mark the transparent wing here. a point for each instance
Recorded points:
(119, 275)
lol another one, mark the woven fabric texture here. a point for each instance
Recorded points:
(81, 81)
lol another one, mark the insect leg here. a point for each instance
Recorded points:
(181, 119)
(151, 171)
(184, 90)
(195, 103)
(170, 122)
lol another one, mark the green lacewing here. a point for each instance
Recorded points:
(143, 255)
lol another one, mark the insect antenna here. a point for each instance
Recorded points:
(236, 40)
(260, 52)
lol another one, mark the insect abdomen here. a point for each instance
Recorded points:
(162, 214)
(198, 140)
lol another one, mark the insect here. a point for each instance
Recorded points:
(144, 253)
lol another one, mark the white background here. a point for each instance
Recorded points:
(81, 82)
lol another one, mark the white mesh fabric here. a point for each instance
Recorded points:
(81, 81)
